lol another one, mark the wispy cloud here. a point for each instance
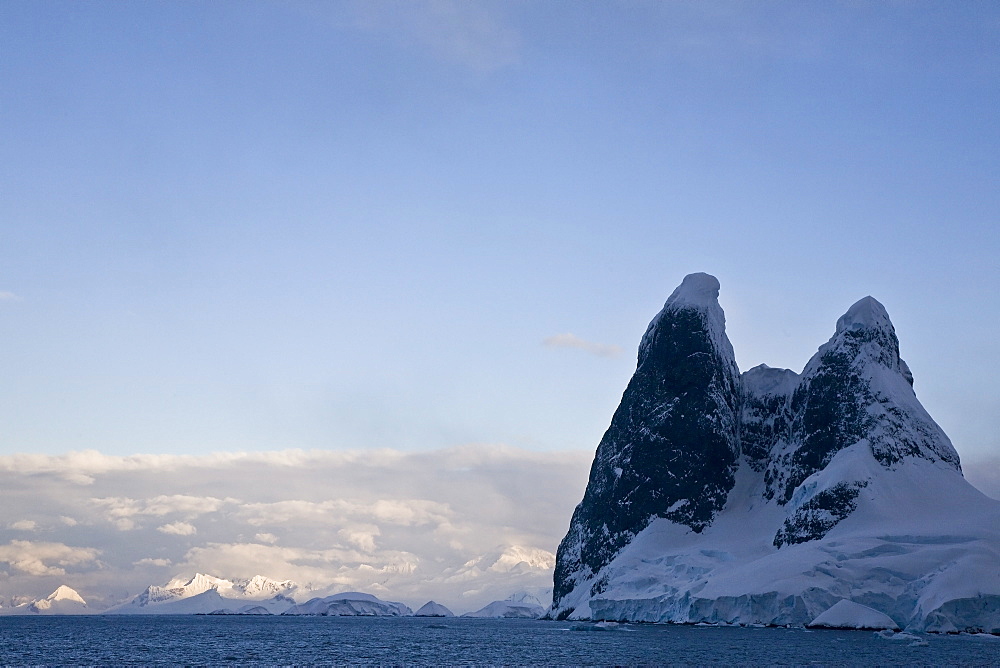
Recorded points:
(161, 563)
(474, 35)
(574, 341)
(8, 296)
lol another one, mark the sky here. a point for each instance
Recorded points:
(266, 227)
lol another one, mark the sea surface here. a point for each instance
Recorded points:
(243, 640)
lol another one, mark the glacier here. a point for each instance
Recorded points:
(769, 496)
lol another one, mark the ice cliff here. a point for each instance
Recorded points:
(770, 496)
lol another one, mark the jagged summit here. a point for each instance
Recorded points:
(768, 496)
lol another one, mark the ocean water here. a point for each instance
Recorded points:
(242, 640)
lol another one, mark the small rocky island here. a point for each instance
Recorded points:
(769, 497)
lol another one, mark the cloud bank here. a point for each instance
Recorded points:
(463, 525)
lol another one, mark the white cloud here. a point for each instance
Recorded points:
(161, 563)
(178, 529)
(268, 538)
(573, 341)
(361, 536)
(122, 511)
(24, 525)
(8, 296)
(44, 558)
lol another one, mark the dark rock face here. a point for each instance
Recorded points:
(818, 515)
(672, 447)
(766, 416)
(688, 420)
(855, 388)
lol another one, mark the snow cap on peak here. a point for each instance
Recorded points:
(64, 593)
(867, 313)
(696, 290)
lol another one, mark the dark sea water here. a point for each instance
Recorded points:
(237, 640)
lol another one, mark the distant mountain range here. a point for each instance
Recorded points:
(210, 595)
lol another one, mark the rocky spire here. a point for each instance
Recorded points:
(672, 448)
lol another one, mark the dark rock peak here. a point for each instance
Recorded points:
(697, 293)
(855, 388)
(687, 417)
(673, 446)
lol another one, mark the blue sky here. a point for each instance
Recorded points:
(244, 226)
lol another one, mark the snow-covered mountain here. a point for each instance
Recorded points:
(770, 496)
(508, 610)
(206, 593)
(63, 601)
(350, 604)
(432, 609)
(512, 559)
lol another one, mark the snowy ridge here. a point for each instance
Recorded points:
(843, 489)
(199, 593)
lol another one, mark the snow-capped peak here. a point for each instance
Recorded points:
(866, 313)
(64, 593)
(698, 292)
(697, 289)
(63, 601)
(513, 557)
(198, 584)
(260, 585)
